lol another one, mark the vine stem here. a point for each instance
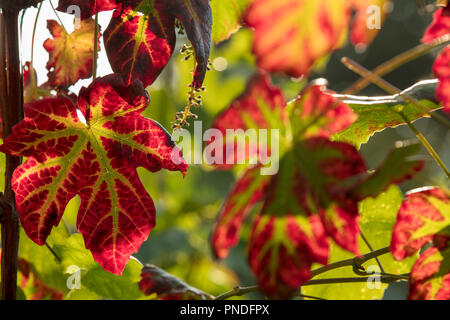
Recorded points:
(398, 61)
(355, 261)
(94, 64)
(352, 65)
(32, 77)
(11, 92)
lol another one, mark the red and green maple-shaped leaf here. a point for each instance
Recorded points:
(262, 106)
(89, 7)
(282, 249)
(442, 71)
(167, 287)
(71, 55)
(97, 161)
(440, 25)
(423, 218)
(290, 36)
(316, 112)
(247, 191)
(140, 39)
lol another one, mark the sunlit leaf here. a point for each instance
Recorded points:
(97, 161)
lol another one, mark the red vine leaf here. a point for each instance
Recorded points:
(290, 36)
(248, 190)
(97, 161)
(424, 217)
(442, 71)
(139, 45)
(167, 287)
(71, 55)
(315, 193)
(89, 7)
(282, 249)
(440, 25)
(316, 112)
(430, 276)
(262, 106)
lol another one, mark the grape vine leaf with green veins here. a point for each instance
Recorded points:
(167, 287)
(290, 36)
(96, 160)
(312, 197)
(140, 39)
(424, 218)
(71, 55)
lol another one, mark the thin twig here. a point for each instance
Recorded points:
(398, 61)
(53, 252)
(371, 249)
(386, 86)
(94, 64)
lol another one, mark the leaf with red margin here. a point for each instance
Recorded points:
(262, 106)
(291, 35)
(317, 113)
(360, 34)
(430, 276)
(140, 46)
(89, 7)
(146, 40)
(248, 190)
(424, 217)
(440, 25)
(282, 249)
(442, 71)
(167, 287)
(71, 55)
(97, 161)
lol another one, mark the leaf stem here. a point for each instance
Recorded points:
(94, 64)
(352, 65)
(53, 252)
(371, 249)
(32, 75)
(398, 61)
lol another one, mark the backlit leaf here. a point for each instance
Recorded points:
(71, 55)
(139, 45)
(248, 190)
(227, 17)
(97, 161)
(424, 218)
(291, 36)
(262, 106)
